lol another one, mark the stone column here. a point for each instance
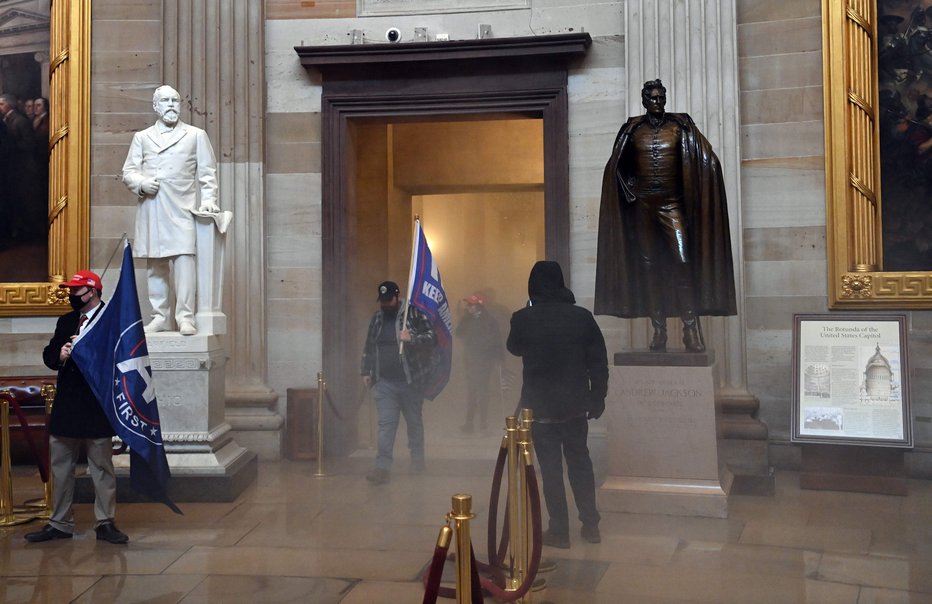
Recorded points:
(692, 46)
(213, 55)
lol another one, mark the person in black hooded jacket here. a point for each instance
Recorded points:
(565, 383)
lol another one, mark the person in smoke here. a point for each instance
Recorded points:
(565, 383)
(397, 376)
(482, 344)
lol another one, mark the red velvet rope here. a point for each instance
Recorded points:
(495, 583)
(497, 558)
(434, 574)
(41, 460)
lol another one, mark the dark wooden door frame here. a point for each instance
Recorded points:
(443, 80)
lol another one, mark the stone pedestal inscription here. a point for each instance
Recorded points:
(662, 450)
(189, 375)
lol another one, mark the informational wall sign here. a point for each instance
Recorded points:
(371, 8)
(851, 382)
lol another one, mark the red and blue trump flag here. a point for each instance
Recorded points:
(425, 291)
(114, 359)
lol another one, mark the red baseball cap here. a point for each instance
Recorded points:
(474, 299)
(81, 278)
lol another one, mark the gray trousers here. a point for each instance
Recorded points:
(64, 453)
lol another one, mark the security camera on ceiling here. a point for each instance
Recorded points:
(393, 35)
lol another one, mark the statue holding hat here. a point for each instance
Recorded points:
(173, 172)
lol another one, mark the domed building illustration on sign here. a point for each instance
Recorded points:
(878, 378)
(818, 380)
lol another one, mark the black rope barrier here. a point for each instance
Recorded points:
(333, 407)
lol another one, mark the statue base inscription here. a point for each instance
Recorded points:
(206, 463)
(663, 449)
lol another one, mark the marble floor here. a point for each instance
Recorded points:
(292, 537)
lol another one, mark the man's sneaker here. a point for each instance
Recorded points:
(556, 540)
(110, 533)
(591, 534)
(47, 533)
(378, 476)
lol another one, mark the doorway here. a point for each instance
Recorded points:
(478, 187)
(380, 96)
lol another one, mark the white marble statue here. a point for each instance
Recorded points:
(172, 169)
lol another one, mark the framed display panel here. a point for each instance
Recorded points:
(870, 266)
(69, 67)
(851, 380)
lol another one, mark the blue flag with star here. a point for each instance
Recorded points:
(112, 355)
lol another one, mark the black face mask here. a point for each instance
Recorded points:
(76, 302)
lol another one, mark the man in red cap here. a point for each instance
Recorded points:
(77, 421)
(482, 342)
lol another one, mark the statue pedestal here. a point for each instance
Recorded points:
(206, 463)
(663, 449)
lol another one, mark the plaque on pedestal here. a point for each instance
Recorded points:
(663, 448)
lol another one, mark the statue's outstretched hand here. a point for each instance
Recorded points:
(209, 208)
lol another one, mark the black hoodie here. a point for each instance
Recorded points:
(565, 362)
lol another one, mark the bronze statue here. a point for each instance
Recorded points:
(664, 247)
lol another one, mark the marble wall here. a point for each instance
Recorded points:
(783, 190)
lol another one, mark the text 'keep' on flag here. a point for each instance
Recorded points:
(112, 354)
(425, 292)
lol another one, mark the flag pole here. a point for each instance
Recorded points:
(109, 262)
(414, 245)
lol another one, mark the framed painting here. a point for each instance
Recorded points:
(851, 380)
(877, 56)
(45, 151)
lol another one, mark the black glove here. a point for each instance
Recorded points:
(598, 408)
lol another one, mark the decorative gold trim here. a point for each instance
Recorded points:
(852, 167)
(69, 163)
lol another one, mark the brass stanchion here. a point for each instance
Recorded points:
(461, 515)
(524, 448)
(520, 518)
(321, 384)
(48, 393)
(7, 517)
(514, 503)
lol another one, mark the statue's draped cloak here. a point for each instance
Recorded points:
(620, 282)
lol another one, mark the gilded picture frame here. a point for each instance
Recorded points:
(69, 164)
(854, 233)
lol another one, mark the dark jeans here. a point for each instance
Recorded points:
(392, 400)
(551, 443)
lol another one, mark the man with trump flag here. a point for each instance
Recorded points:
(104, 388)
(407, 356)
